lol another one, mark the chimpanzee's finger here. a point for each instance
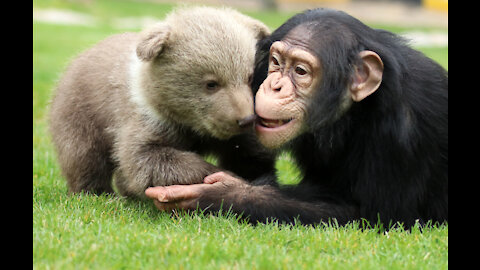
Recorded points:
(174, 193)
(218, 177)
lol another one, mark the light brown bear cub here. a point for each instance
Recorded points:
(143, 107)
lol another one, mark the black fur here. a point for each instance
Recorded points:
(386, 157)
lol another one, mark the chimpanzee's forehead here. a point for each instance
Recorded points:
(300, 37)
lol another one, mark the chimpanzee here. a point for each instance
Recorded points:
(364, 115)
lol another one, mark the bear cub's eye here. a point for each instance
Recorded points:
(212, 85)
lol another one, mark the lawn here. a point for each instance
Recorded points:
(108, 232)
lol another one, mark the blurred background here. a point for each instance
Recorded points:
(404, 12)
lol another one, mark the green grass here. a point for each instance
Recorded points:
(108, 232)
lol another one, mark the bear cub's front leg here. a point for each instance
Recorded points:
(159, 166)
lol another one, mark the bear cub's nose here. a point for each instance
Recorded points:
(247, 121)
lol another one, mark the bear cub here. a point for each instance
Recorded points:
(144, 107)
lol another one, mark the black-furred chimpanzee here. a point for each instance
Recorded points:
(364, 115)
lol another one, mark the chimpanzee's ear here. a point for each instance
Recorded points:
(152, 41)
(367, 77)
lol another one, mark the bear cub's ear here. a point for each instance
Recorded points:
(152, 41)
(261, 30)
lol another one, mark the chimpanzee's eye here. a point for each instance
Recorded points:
(275, 61)
(300, 71)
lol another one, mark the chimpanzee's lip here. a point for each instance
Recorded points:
(265, 125)
(272, 123)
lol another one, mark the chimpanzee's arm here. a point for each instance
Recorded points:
(258, 203)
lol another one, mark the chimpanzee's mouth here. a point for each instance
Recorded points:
(273, 123)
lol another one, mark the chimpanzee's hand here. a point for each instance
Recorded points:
(215, 189)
